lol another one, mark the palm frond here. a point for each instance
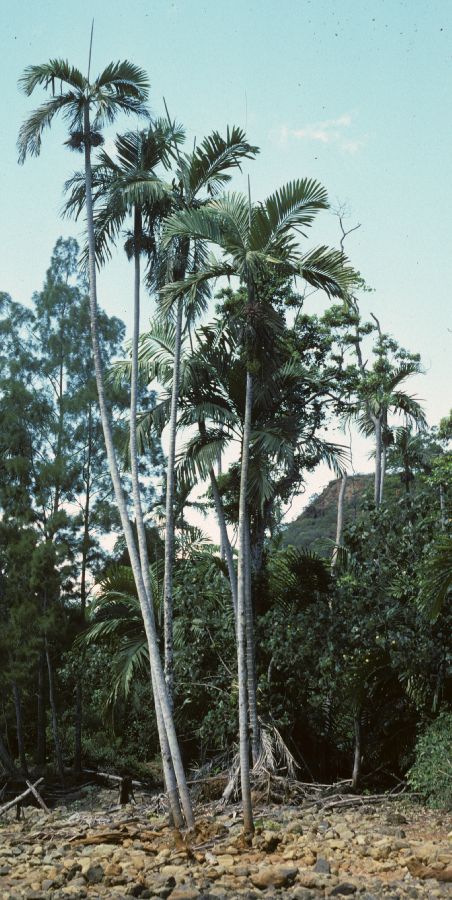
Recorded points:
(125, 78)
(49, 73)
(292, 207)
(325, 269)
(189, 287)
(208, 166)
(30, 134)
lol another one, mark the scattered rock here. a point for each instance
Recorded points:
(274, 876)
(94, 874)
(343, 890)
(322, 866)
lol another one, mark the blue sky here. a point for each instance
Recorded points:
(356, 94)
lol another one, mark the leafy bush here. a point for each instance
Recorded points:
(431, 774)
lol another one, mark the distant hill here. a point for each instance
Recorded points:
(315, 528)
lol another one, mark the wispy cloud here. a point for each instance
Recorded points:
(330, 131)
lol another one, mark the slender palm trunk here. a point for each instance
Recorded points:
(340, 520)
(383, 471)
(378, 454)
(83, 594)
(220, 470)
(53, 709)
(251, 655)
(168, 770)
(225, 542)
(241, 616)
(20, 729)
(169, 521)
(146, 608)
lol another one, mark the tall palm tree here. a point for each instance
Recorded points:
(254, 239)
(125, 188)
(87, 106)
(199, 176)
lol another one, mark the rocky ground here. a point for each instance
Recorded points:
(391, 850)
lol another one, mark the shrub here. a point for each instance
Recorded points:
(431, 774)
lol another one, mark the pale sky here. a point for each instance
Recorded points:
(355, 94)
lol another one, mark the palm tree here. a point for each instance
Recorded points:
(87, 106)
(254, 239)
(379, 393)
(199, 176)
(129, 187)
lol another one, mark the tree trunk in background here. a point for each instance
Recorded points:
(78, 725)
(225, 542)
(19, 729)
(358, 750)
(5, 759)
(251, 656)
(339, 521)
(169, 520)
(41, 749)
(442, 506)
(56, 735)
(241, 613)
(146, 608)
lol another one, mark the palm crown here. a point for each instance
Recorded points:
(255, 238)
(122, 86)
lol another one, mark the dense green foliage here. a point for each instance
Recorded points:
(347, 633)
(431, 774)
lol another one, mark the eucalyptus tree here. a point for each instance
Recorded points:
(87, 105)
(254, 238)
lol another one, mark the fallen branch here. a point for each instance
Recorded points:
(21, 796)
(38, 797)
(137, 784)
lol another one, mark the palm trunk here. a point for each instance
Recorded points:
(225, 542)
(168, 770)
(83, 593)
(241, 615)
(53, 709)
(383, 471)
(19, 729)
(222, 546)
(169, 521)
(378, 451)
(251, 656)
(161, 692)
(86, 513)
(340, 521)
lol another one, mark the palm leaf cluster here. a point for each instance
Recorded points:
(121, 85)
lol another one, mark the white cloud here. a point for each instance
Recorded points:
(330, 131)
